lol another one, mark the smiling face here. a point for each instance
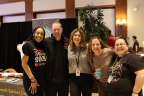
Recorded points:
(96, 46)
(77, 38)
(38, 35)
(57, 30)
(121, 47)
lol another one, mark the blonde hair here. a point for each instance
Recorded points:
(82, 42)
(90, 52)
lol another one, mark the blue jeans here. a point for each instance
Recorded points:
(40, 89)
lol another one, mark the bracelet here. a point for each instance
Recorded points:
(34, 81)
(32, 77)
(134, 92)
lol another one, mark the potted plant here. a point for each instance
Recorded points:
(93, 25)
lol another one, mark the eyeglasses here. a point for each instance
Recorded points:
(121, 44)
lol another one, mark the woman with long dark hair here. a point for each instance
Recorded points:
(33, 63)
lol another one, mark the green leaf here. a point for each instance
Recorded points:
(93, 24)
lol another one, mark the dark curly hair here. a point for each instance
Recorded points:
(33, 32)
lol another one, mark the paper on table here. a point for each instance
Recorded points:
(6, 74)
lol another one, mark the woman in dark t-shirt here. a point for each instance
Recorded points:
(126, 75)
(33, 63)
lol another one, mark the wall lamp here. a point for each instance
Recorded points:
(121, 22)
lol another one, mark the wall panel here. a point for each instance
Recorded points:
(14, 18)
(121, 13)
(82, 3)
(109, 19)
(52, 15)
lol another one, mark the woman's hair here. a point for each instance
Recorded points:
(82, 42)
(90, 52)
(33, 32)
(129, 48)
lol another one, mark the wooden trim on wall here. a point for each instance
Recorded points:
(36, 12)
(121, 13)
(28, 10)
(50, 11)
(14, 14)
(28, 7)
(101, 6)
(34, 15)
(1, 19)
(58, 10)
(10, 1)
(70, 9)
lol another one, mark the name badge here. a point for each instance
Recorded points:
(110, 78)
(77, 72)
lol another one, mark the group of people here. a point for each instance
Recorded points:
(57, 63)
(112, 39)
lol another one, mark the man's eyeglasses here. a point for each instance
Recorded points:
(121, 44)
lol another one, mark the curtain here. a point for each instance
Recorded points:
(17, 32)
(11, 35)
(68, 25)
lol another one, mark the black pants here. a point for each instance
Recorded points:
(125, 94)
(40, 89)
(102, 88)
(62, 89)
(81, 84)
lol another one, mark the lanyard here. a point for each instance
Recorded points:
(77, 58)
(117, 61)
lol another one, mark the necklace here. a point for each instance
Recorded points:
(115, 70)
(116, 62)
(77, 57)
(115, 65)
